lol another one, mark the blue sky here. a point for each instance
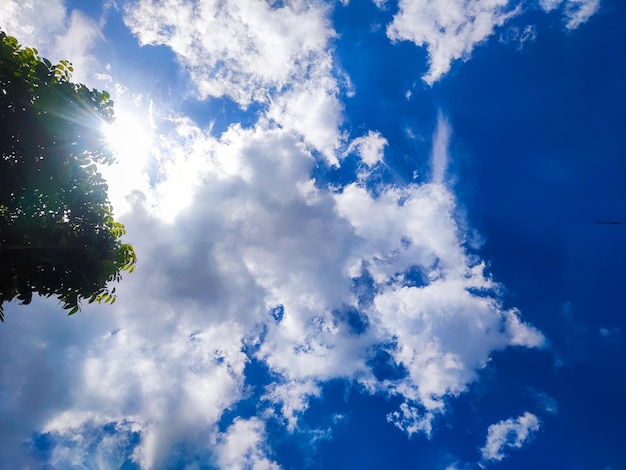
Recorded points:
(371, 234)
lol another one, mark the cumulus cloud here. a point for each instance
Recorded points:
(241, 50)
(243, 446)
(172, 386)
(244, 256)
(449, 29)
(311, 108)
(293, 399)
(370, 147)
(507, 434)
(254, 52)
(257, 233)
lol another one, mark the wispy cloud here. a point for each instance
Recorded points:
(439, 157)
(546, 402)
(575, 12)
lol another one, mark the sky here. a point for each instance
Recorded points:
(371, 234)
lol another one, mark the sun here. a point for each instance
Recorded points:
(131, 139)
(130, 136)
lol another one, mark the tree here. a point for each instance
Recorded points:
(58, 236)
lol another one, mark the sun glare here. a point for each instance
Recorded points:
(130, 139)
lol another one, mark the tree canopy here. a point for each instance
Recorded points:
(58, 236)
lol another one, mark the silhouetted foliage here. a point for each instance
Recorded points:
(58, 236)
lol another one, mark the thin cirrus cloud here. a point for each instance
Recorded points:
(451, 29)
(246, 258)
(575, 12)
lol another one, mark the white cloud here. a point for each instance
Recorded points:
(243, 446)
(293, 399)
(546, 402)
(549, 5)
(242, 50)
(576, 12)
(610, 334)
(311, 108)
(254, 52)
(450, 29)
(33, 22)
(411, 421)
(56, 33)
(510, 433)
(255, 233)
(519, 36)
(93, 447)
(234, 226)
(380, 3)
(77, 43)
(171, 385)
(370, 147)
(439, 157)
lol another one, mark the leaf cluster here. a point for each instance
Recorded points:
(58, 236)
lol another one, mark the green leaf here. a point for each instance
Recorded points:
(58, 198)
